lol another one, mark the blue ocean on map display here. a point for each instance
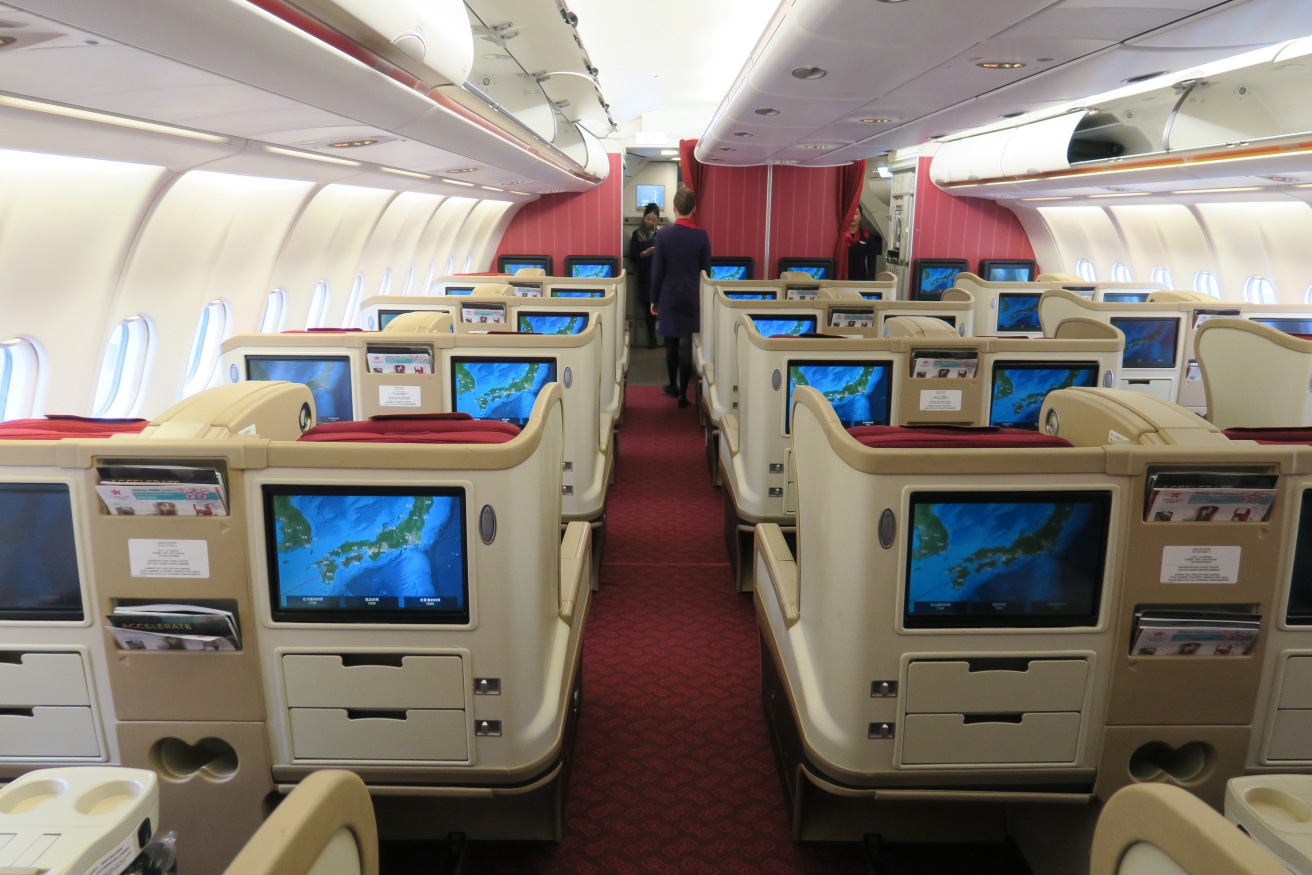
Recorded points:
(750, 296)
(1018, 392)
(590, 271)
(328, 379)
(500, 389)
(459, 290)
(577, 293)
(1005, 558)
(937, 279)
(858, 392)
(369, 551)
(543, 323)
(1009, 275)
(771, 327)
(729, 272)
(1018, 313)
(814, 271)
(38, 559)
(1124, 297)
(386, 316)
(516, 267)
(1149, 343)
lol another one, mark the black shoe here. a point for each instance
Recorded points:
(684, 402)
(671, 391)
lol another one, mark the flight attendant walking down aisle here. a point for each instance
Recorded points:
(673, 770)
(683, 253)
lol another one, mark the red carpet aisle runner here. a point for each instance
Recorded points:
(673, 771)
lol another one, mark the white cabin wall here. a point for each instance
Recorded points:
(1163, 235)
(211, 236)
(489, 241)
(450, 216)
(391, 247)
(481, 219)
(66, 226)
(1260, 239)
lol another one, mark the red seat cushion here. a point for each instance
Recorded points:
(416, 428)
(952, 437)
(1283, 435)
(57, 427)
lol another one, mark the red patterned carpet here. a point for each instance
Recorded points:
(673, 771)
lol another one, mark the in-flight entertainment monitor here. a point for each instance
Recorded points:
(815, 268)
(1020, 387)
(1299, 610)
(801, 293)
(511, 264)
(557, 322)
(725, 268)
(1124, 297)
(1007, 270)
(1004, 558)
(499, 388)
(750, 296)
(649, 194)
(1149, 340)
(479, 312)
(931, 277)
(458, 290)
(38, 553)
(873, 296)
(860, 391)
(1018, 313)
(1085, 292)
(1289, 326)
(592, 266)
(385, 317)
(327, 376)
(578, 293)
(769, 326)
(366, 554)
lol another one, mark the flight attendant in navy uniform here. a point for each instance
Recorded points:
(683, 251)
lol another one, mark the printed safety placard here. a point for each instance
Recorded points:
(940, 399)
(1200, 564)
(151, 558)
(398, 396)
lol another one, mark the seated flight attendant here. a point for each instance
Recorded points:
(683, 251)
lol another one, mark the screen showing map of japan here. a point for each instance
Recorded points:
(1149, 341)
(859, 391)
(1018, 312)
(328, 378)
(499, 388)
(1005, 558)
(552, 323)
(769, 326)
(1020, 387)
(366, 554)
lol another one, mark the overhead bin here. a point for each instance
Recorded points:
(1023, 150)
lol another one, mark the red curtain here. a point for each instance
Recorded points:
(693, 171)
(851, 179)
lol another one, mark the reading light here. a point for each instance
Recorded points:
(1217, 190)
(1281, 178)
(516, 182)
(106, 118)
(875, 121)
(462, 170)
(311, 156)
(767, 110)
(1000, 65)
(818, 146)
(810, 73)
(784, 161)
(351, 144)
(397, 171)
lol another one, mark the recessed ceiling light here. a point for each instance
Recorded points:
(819, 145)
(1001, 65)
(351, 144)
(810, 73)
(743, 134)
(874, 121)
(1144, 77)
(785, 161)
(1280, 178)
(461, 170)
(767, 110)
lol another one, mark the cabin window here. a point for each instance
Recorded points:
(351, 315)
(1205, 281)
(385, 287)
(214, 326)
(275, 312)
(1084, 269)
(469, 261)
(1307, 295)
(450, 265)
(1258, 290)
(20, 369)
(318, 306)
(123, 368)
(1163, 275)
(1121, 273)
(409, 280)
(428, 280)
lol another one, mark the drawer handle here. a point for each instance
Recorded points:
(1019, 664)
(360, 714)
(391, 660)
(17, 712)
(969, 719)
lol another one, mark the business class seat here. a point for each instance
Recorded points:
(58, 427)
(531, 272)
(906, 659)
(325, 826)
(1236, 355)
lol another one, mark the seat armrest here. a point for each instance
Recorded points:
(781, 568)
(729, 428)
(575, 567)
(708, 371)
(607, 432)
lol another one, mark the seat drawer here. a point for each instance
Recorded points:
(324, 681)
(947, 739)
(1296, 688)
(950, 687)
(43, 679)
(49, 732)
(333, 734)
(1291, 735)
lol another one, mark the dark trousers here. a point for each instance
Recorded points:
(678, 361)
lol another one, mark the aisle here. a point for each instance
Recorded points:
(673, 771)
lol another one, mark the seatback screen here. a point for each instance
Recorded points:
(578, 293)
(1124, 297)
(1018, 312)
(859, 391)
(1289, 326)
(552, 323)
(366, 554)
(1020, 387)
(589, 270)
(1149, 341)
(729, 272)
(769, 326)
(328, 378)
(1004, 558)
(499, 388)
(38, 554)
(750, 296)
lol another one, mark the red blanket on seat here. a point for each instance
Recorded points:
(952, 437)
(57, 427)
(416, 428)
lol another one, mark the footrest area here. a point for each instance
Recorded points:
(933, 858)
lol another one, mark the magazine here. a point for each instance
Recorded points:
(400, 363)
(944, 367)
(161, 490)
(153, 624)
